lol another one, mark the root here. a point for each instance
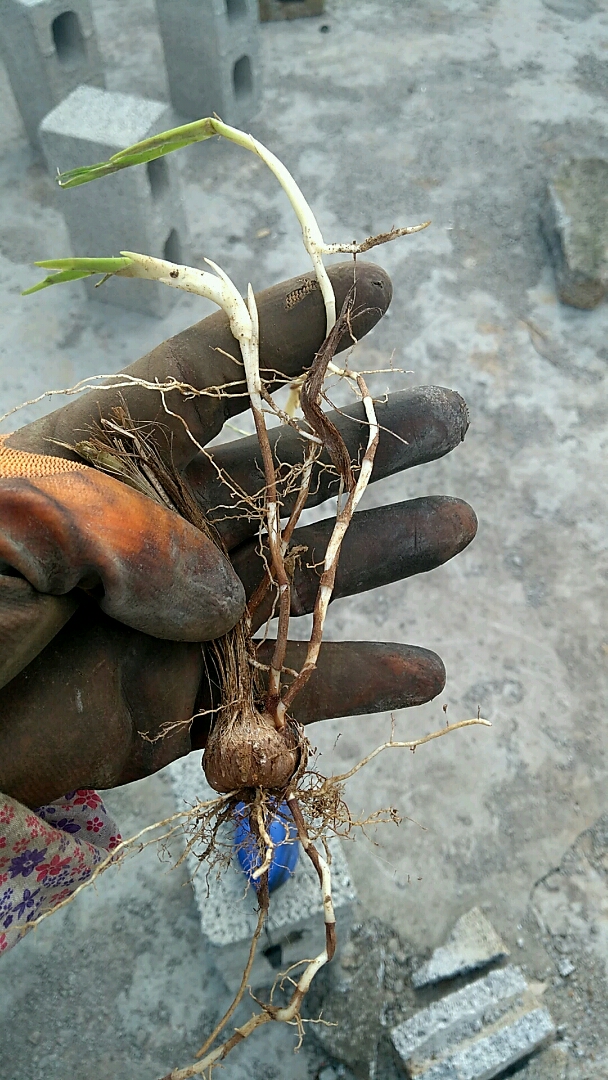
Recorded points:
(129, 846)
(262, 915)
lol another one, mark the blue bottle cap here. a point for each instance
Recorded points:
(282, 832)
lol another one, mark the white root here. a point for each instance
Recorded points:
(121, 849)
(270, 846)
(411, 744)
(311, 233)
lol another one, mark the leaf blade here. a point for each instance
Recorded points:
(56, 279)
(140, 153)
(72, 269)
(91, 266)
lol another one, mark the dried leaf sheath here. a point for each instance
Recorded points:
(245, 749)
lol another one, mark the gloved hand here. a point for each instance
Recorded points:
(105, 596)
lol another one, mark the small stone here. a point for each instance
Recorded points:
(565, 967)
(574, 220)
(328, 1074)
(472, 944)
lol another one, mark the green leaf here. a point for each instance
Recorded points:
(56, 279)
(89, 266)
(154, 147)
(73, 269)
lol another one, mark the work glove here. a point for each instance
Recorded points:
(106, 596)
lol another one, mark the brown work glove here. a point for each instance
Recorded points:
(105, 596)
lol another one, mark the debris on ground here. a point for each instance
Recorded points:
(270, 10)
(377, 1024)
(552, 1065)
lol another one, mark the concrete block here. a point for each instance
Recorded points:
(212, 57)
(227, 905)
(49, 48)
(271, 10)
(574, 220)
(472, 944)
(475, 1033)
(138, 209)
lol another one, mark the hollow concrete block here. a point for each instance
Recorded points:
(49, 48)
(227, 905)
(137, 209)
(211, 57)
(271, 10)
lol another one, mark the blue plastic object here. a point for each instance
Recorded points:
(282, 832)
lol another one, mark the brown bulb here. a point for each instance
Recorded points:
(247, 751)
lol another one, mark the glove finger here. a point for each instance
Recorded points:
(102, 705)
(357, 677)
(292, 329)
(417, 425)
(28, 621)
(353, 678)
(79, 528)
(382, 545)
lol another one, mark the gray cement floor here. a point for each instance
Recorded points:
(456, 110)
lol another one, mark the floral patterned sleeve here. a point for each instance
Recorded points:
(46, 853)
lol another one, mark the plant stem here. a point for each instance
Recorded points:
(330, 562)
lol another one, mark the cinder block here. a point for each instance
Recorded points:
(227, 905)
(475, 1033)
(212, 57)
(137, 209)
(49, 48)
(270, 10)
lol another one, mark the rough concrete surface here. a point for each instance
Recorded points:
(491, 1053)
(211, 54)
(458, 110)
(48, 50)
(364, 994)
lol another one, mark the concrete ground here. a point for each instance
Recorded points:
(457, 110)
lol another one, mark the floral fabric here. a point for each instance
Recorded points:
(46, 853)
